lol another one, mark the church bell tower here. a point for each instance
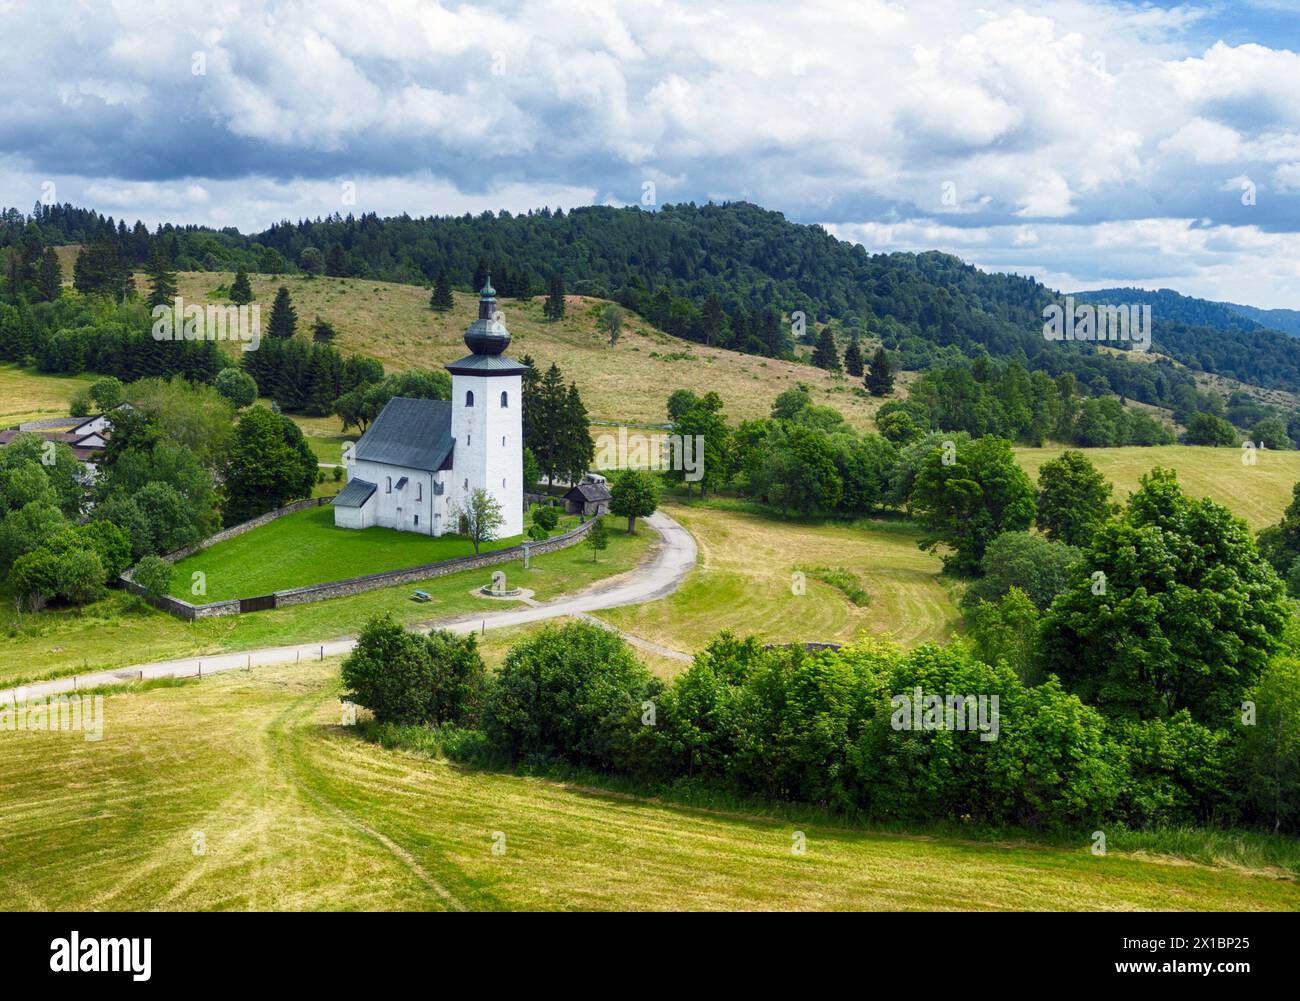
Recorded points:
(487, 418)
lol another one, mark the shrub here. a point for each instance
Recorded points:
(546, 516)
(237, 386)
(154, 574)
(35, 578)
(406, 678)
(570, 693)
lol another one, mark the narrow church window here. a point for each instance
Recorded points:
(503, 483)
(389, 484)
(504, 400)
(469, 397)
(466, 482)
(468, 438)
(503, 441)
(419, 495)
(417, 519)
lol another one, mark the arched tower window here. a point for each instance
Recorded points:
(469, 397)
(505, 400)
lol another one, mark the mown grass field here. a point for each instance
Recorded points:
(119, 630)
(306, 548)
(743, 582)
(1258, 493)
(242, 791)
(26, 395)
(628, 382)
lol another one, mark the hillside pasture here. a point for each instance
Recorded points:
(628, 382)
(27, 395)
(1258, 493)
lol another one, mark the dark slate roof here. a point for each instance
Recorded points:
(479, 364)
(589, 492)
(355, 494)
(411, 433)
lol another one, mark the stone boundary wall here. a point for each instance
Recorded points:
(339, 588)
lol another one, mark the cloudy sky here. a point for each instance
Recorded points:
(1088, 143)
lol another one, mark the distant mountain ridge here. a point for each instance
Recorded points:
(1166, 304)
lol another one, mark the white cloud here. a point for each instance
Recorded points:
(1064, 114)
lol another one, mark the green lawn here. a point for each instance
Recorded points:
(242, 792)
(119, 630)
(305, 548)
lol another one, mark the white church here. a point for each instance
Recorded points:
(421, 460)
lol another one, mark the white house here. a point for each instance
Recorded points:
(420, 460)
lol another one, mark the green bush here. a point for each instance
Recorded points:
(546, 516)
(572, 693)
(403, 677)
(154, 574)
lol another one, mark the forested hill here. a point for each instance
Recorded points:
(729, 274)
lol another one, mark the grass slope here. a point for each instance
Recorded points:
(303, 815)
(1258, 493)
(629, 382)
(743, 582)
(26, 395)
(306, 548)
(118, 630)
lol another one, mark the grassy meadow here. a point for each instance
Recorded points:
(745, 572)
(26, 395)
(1258, 493)
(302, 814)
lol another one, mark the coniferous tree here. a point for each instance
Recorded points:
(284, 318)
(880, 376)
(162, 281)
(100, 269)
(853, 358)
(49, 277)
(440, 300)
(480, 275)
(825, 354)
(577, 447)
(322, 331)
(712, 320)
(336, 265)
(553, 308)
(241, 290)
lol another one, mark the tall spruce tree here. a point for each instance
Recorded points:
(825, 354)
(162, 281)
(284, 318)
(880, 376)
(553, 308)
(440, 300)
(853, 358)
(577, 447)
(49, 276)
(241, 290)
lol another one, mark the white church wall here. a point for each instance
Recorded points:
(489, 445)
